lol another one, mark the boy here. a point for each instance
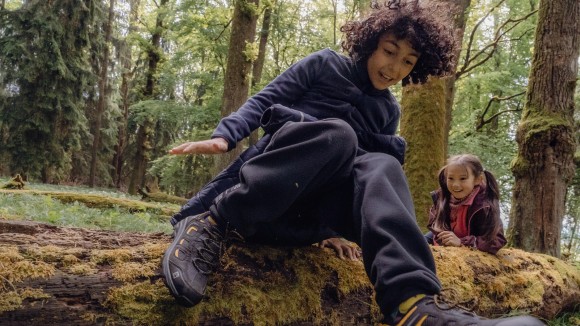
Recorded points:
(330, 166)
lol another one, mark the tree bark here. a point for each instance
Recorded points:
(72, 276)
(426, 120)
(145, 130)
(258, 64)
(239, 67)
(423, 127)
(126, 77)
(103, 93)
(544, 166)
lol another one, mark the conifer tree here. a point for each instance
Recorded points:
(43, 60)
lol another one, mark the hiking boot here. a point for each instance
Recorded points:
(429, 312)
(192, 257)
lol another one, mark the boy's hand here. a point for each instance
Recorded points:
(448, 238)
(210, 146)
(344, 248)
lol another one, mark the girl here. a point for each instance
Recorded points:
(466, 207)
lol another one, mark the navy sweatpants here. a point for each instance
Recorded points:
(313, 176)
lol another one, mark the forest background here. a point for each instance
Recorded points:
(94, 92)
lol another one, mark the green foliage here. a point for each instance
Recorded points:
(44, 62)
(182, 175)
(53, 211)
(176, 123)
(566, 319)
(48, 210)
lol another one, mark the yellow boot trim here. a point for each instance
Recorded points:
(407, 304)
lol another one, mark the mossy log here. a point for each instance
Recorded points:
(71, 276)
(101, 201)
(148, 194)
(15, 183)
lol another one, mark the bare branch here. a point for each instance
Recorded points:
(475, 28)
(488, 50)
(223, 30)
(482, 121)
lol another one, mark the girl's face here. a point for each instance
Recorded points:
(392, 61)
(460, 180)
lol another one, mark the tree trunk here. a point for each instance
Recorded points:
(239, 66)
(422, 126)
(103, 93)
(426, 121)
(73, 276)
(146, 129)
(459, 10)
(544, 165)
(259, 63)
(144, 147)
(126, 77)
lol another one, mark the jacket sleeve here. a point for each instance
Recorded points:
(483, 237)
(277, 115)
(284, 89)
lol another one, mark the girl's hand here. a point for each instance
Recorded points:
(448, 238)
(344, 248)
(210, 146)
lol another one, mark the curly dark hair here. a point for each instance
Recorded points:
(420, 26)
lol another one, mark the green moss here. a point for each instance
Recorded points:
(131, 271)
(83, 269)
(111, 256)
(251, 51)
(288, 290)
(12, 300)
(14, 268)
(142, 303)
(153, 250)
(513, 280)
(98, 201)
(423, 109)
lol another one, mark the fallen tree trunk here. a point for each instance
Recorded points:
(149, 194)
(101, 201)
(72, 276)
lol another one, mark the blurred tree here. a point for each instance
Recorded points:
(146, 127)
(103, 89)
(242, 52)
(45, 76)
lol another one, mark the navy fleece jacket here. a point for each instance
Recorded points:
(325, 84)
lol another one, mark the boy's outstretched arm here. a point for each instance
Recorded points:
(210, 146)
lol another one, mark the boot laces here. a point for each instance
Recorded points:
(207, 256)
(444, 304)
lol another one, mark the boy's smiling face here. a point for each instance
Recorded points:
(392, 61)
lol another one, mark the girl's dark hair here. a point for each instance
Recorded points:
(420, 26)
(471, 162)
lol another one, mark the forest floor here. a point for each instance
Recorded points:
(110, 210)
